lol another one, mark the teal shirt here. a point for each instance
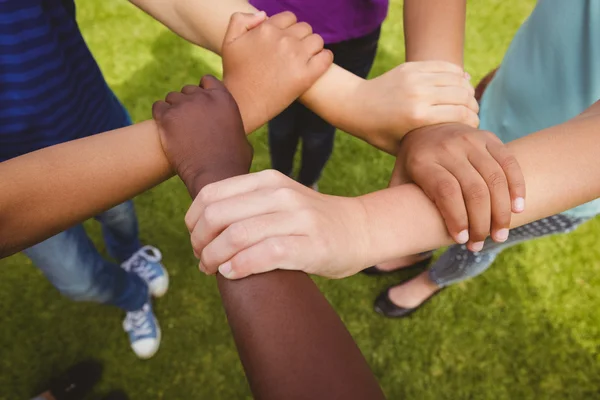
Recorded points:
(550, 74)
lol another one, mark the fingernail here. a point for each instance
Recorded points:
(467, 76)
(201, 267)
(502, 235)
(225, 270)
(476, 247)
(260, 14)
(462, 237)
(519, 204)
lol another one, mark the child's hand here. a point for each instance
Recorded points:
(413, 95)
(268, 66)
(264, 221)
(469, 174)
(202, 134)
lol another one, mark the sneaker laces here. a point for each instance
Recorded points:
(139, 321)
(140, 263)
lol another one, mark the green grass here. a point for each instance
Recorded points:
(527, 329)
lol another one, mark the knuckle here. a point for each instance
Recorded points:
(237, 17)
(207, 193)
(210, 217)
(446, 189)
(477, 193)
(509, 162)
(275, 249)
(418, 114)
(237, 234)
(496, 179)
(286, 195)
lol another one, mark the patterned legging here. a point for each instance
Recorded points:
(458, 264)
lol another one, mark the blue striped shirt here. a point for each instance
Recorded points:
(51, 89)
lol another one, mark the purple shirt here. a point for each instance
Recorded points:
(335, 20)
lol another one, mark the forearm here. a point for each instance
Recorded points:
(204, 22)
(434, 30)
(561, 169)
(291, 342)
(48, 191)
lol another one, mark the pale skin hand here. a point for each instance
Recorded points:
(204, 22)
(310, 231)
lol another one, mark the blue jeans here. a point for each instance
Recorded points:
(298, 122)
(73, 265)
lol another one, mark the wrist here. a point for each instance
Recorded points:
(196, 180)
(246, 105)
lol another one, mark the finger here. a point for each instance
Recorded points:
(219, 215)
(313, 44)
(249, 232)
(240, 23)
(282, 252)
(497, 184)
(476, 196)
(446, 193)
(449, 79)
(209, 82)
(514, 175)
(440, 114)
(283, 20)
(319, 64)
(159, 108)
(453, 95)
(235, 186)
(174, 97)
(435, 66)
(300, 30)
(190, 89)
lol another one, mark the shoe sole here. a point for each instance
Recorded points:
(160, 292)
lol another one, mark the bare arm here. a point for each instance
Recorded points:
(267, 221)
(49, 190)
(291, 342)
(561, 169)
(435, 30)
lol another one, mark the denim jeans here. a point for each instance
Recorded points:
(298, 122)
(73, 265)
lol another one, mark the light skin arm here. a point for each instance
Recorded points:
(268, 221)
(52, 189)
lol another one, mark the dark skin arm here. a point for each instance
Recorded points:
(291, 342)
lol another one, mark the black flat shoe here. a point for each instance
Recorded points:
(374, 271)
(384, 305)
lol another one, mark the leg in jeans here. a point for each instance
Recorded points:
(317, 145)
(284, 138)
(356, 56)
(120, 231)
(458, 264)
(73, 265)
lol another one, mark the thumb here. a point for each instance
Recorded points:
(209, 82)
(241, 23)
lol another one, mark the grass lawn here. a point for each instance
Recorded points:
(527, 329)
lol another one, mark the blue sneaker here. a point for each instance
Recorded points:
(143, 330)
(146, 264)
